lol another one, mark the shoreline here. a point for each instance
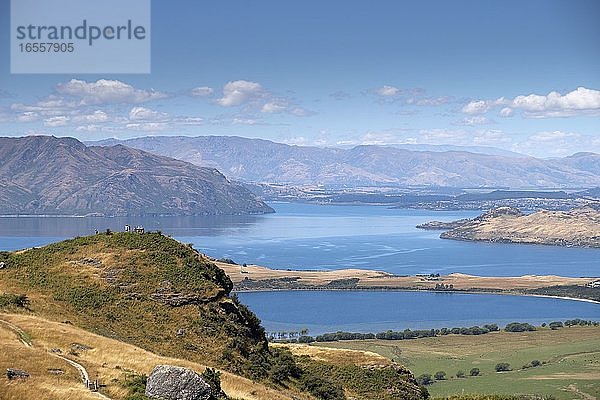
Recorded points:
(499, 293)
(254, 278)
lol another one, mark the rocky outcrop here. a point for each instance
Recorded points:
(14, 373)
(167, 382)
(441, 226)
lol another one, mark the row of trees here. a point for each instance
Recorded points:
(301, 336)
(428, 379)
(407, 333)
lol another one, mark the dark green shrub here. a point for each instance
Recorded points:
(16, 300)
(321, 389)
(424, 379)
(502, 367)
(213, 378)
(136, 387)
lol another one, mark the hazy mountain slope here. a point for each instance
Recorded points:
(48, 175)
(256, 160)
(583, 161)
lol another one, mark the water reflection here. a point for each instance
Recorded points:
(79, 226)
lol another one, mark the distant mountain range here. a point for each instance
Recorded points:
(48, 175)
(257, 160)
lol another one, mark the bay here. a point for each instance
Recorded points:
(367, 311)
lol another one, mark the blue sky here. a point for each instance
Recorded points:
(520, 75)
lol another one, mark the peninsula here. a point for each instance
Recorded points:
(579, 227)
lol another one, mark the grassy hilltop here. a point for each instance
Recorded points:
(159, 296)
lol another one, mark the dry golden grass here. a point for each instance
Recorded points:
(337, 356)
(37, 362)
(108, 360)
(578, 225)
(369, 278)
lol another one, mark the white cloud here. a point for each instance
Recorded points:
(506, 112)
(491, 138)
(146, 114)
(379, 138)
(301, 112)
(202, 91)
(275, 106)
(244, 121)
(105, 91)
(95, 117)
(240, 92)
(56, 121)
(577, 102)
(581, 101)
(443, 136)
(476, 107)
(89, 128)
(51, 105)
(428, 101)
(557, 144)
(28, 116)
(387, 91)
(191, 121)
(474, 120)
(545, 137)
(148, 126)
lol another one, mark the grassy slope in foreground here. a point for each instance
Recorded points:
(108, 360)
(161, 295)
(578, 227)
(140, 289)
(572, 357)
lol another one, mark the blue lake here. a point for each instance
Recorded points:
(366, 311)
(305, 236)
(332, 237)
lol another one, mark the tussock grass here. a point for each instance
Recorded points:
(108, 360)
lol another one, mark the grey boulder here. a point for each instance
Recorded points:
(167, 382)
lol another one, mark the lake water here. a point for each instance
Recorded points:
(332, 237)
(305, 236)
(330, 311)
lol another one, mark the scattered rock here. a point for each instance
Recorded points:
(181, 299)
(80, 347)
(181, 332)
(439, 225)
(91, 261)
(56, 371)
(55, 350)
(2, 265)
(167, 382)
(14, 373)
